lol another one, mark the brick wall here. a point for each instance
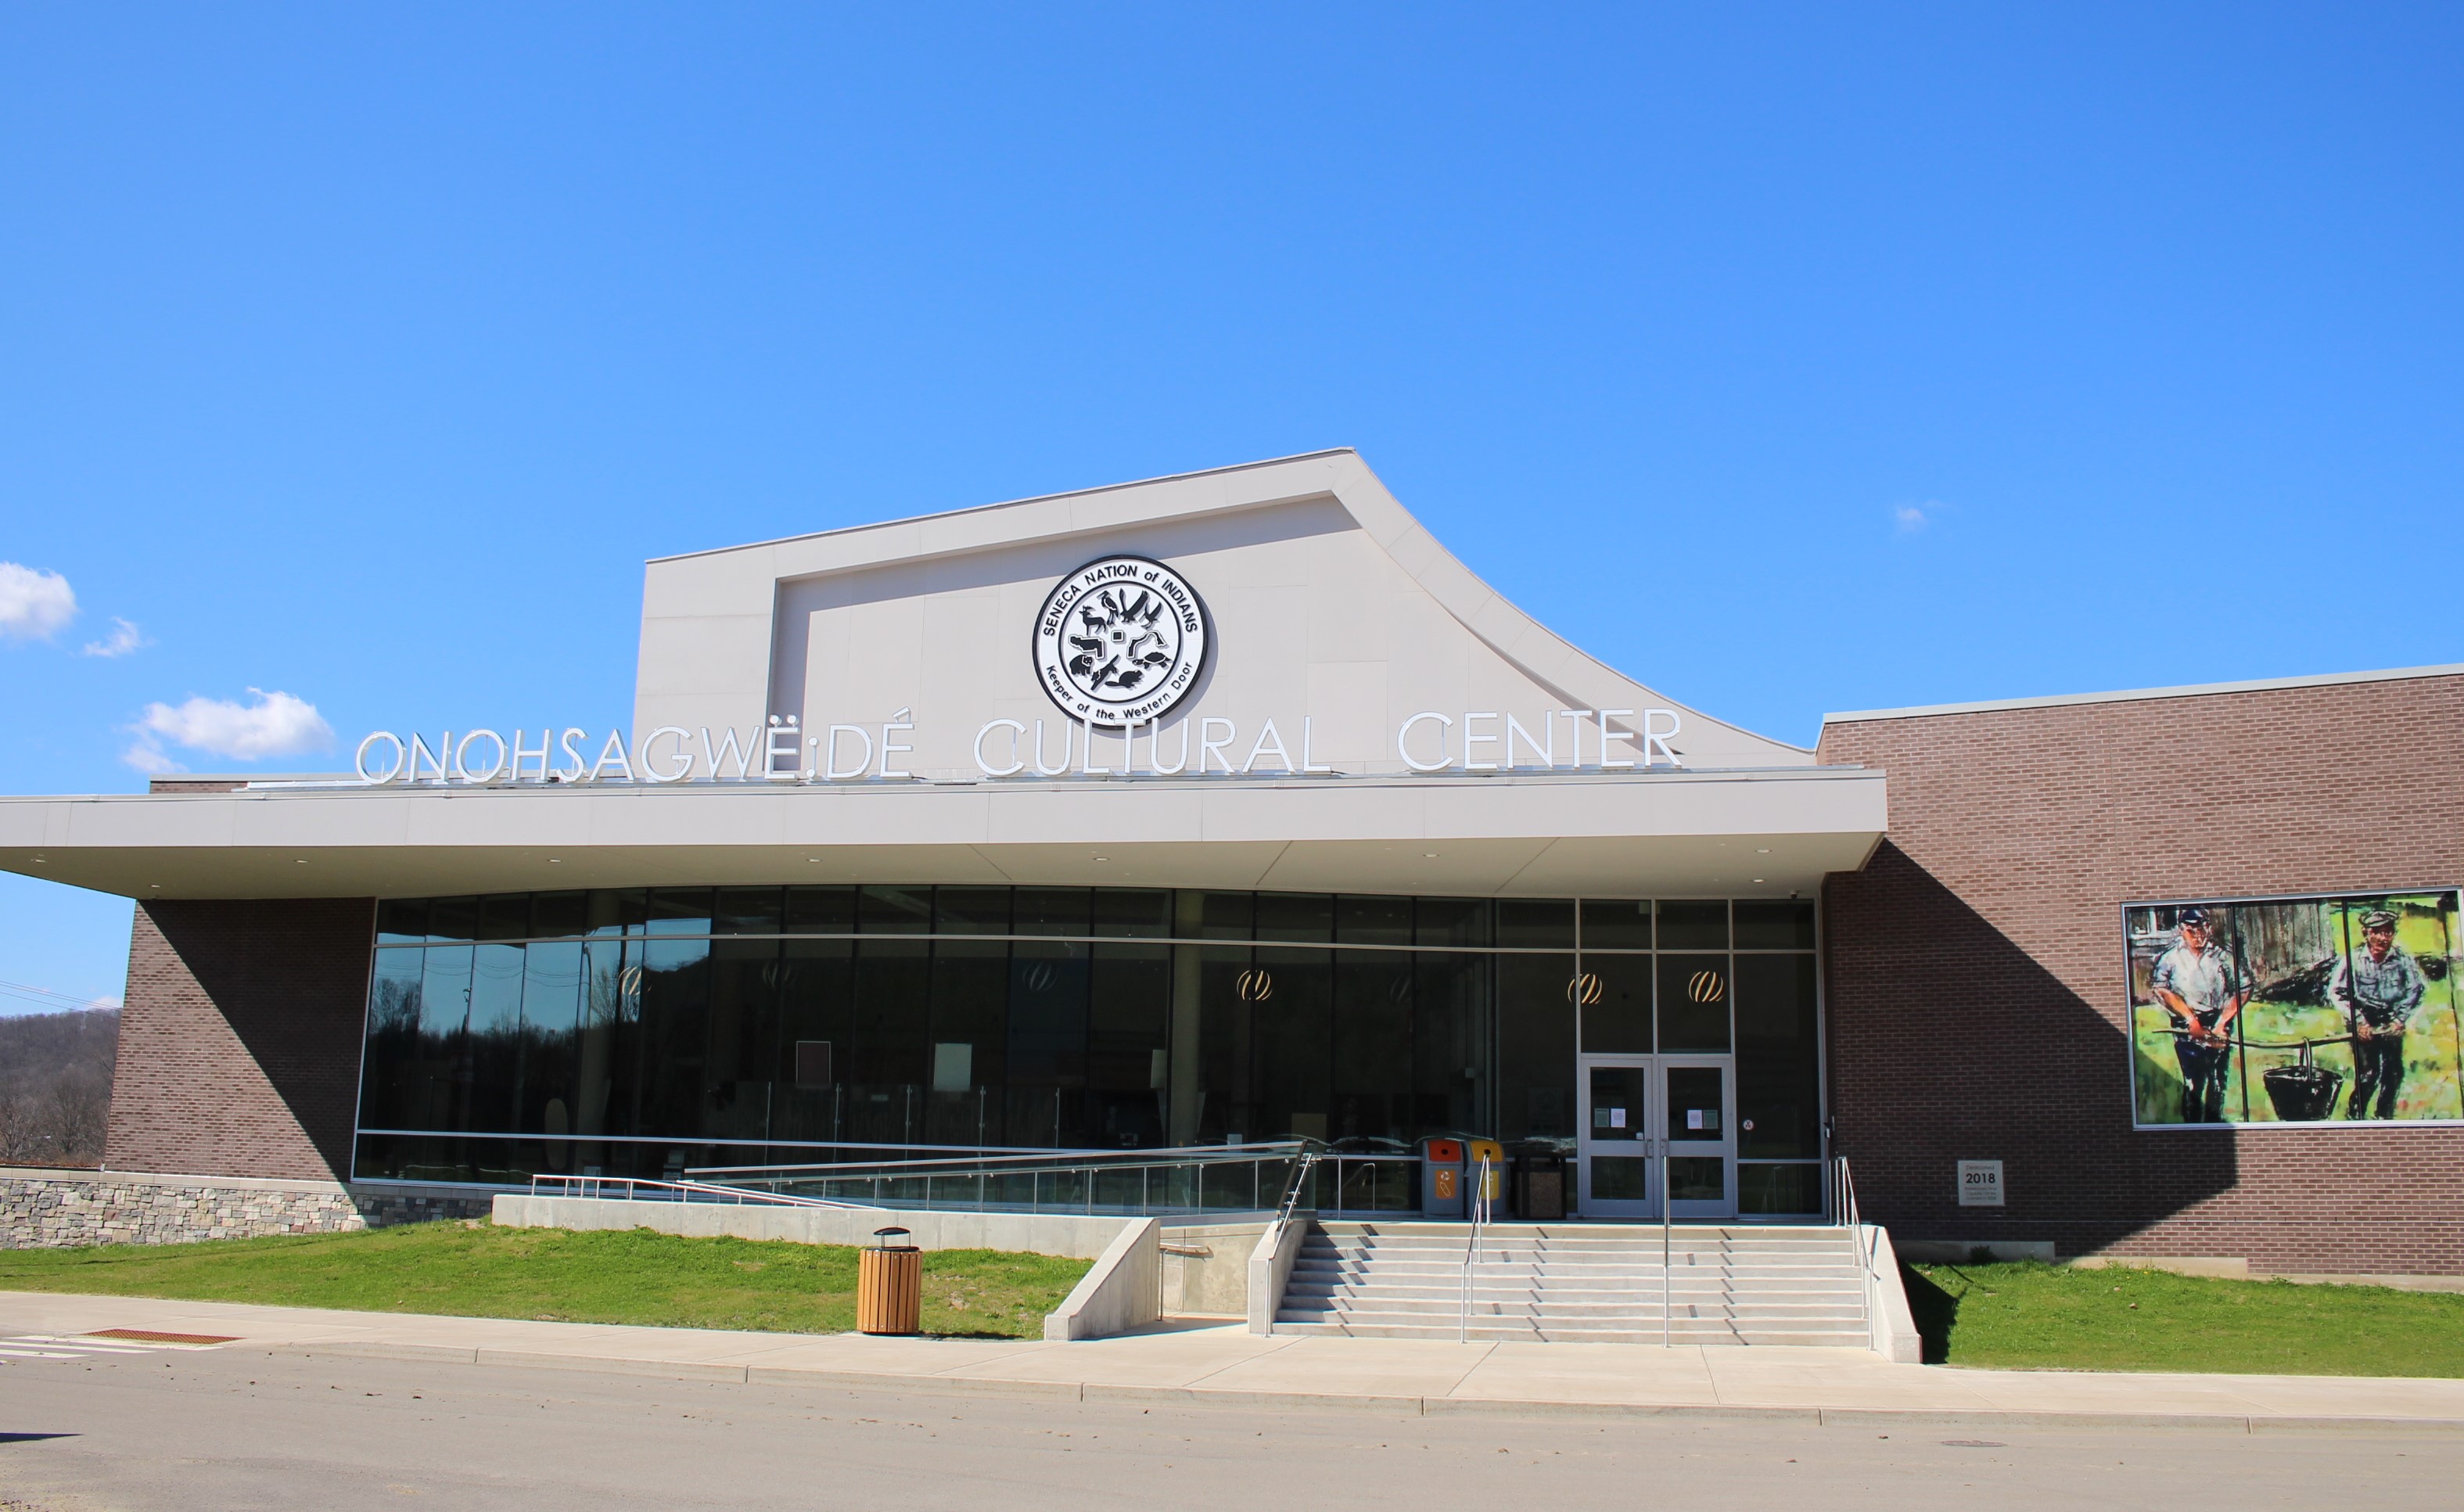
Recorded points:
(239, 1041)
(1977, 1002)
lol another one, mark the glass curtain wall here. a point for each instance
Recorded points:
(637, 1031)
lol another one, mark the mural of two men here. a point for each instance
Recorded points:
(2305, 998)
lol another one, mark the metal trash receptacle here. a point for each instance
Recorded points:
(1540, 1186)
(890, 1286)
(1476, 1150)
(1442, 1177)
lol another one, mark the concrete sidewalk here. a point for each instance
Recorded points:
(1221, 1362)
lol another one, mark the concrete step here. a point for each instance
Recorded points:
(1682, 1331)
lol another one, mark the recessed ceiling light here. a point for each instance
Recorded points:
(1758, 879)
(554, 861)
(300, 862)
(1103, 858)
(1428, 855)
(812, 860)
(1764, 851)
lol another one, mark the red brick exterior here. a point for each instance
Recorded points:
(1976, 999)
(239, 1041)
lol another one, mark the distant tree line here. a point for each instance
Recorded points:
(55, 1086)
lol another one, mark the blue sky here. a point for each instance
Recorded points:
(1790, 357)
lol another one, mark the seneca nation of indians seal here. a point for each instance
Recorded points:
(1120, 641)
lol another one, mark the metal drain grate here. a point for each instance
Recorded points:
(197, 1341)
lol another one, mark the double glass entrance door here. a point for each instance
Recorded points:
(1639, 1111)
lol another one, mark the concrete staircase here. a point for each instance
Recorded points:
(1593, 1283)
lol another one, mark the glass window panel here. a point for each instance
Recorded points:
(816, 1020)
(1615, 925)
(1698, 1178)
(402, 921)
(558, 913)
(1306, 917)
(970, 1039)
(1620, 1178)
(679, 911)
(821, 911)
(495, 1035)
(1620, 1099)
(971, 910)
(1291, 1026)
(889, 1058)
(1535, 1046)
(1450, 921)
(444, 1047)
(1536, 923)
(551, 1042)
(1227, 915)
(1694, 925)
(454, 919)
(749, 911)
(1697, 1103)
(1048, 1042)
(611, 1016)
(395, 1067)
(893, 910)
(617, 911)
(1616, 992)
(1372, 1057)
(741, 1040)
(1128, 1032)
(1782, 924)
(1227, 1104)
(1055, 910)
(1779, 1076)
(1135, 913)
(1776, 1189)
(668, 1077)
(1694, 997)
(1373, 921)
(505, 916)
(1450, 1042)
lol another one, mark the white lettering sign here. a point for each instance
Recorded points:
(786, 750)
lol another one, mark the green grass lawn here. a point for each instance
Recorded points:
(2053, 1317)
(559, 1276)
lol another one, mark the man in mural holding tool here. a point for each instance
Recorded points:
(2198, 986)
(2377, 988)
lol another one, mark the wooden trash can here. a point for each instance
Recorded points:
(890, 1286)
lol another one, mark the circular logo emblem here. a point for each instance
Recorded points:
(1120, 641)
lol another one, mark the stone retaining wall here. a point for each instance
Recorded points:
(65, 1209)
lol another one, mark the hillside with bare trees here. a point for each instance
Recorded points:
(55, 1086)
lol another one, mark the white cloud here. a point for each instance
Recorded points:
(124, 638)
(33, 604)
(1910, 517)
(277, 723)
(146, 755)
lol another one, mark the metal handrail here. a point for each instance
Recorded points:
(994, 1163)
(1133, 1182)
(1477, 1211)
(1844, 1209)
(1302, 1165)
(636, 1189)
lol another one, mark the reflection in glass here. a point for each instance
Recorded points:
(1616, 992)
(1694, 992)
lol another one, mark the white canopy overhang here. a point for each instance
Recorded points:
(1761, 832)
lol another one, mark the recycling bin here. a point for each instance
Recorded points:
(1476, 1150)
(890, 1284)
(1442, 1177)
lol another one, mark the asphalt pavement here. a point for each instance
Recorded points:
(139, 1428)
